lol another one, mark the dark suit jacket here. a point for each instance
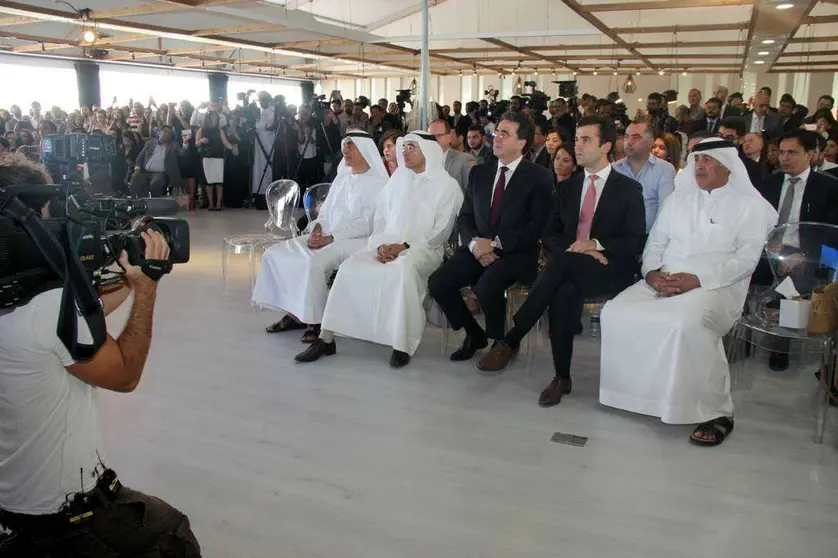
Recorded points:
(833, 172)
(701, 125)
(619, 222)
(755, 170)
(820, 198)
(772, 125)
(732, 111)
(543, 159)
(524, 209)
(171, 162)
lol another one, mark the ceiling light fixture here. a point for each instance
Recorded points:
(785, 6)
(763, 53)
(660, 72)
(89, 35)
(759, 61)
(684, 73)
(615, 73)
(768, 41)
(630, 85)
(595, 72)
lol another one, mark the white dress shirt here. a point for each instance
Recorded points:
(510, 170)
(602, 178)
(757, 123)
(792, 238)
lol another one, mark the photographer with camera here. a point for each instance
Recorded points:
(58, 496)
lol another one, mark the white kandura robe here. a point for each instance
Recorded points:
(380, 302)
(262, 178)
(293, 277)
(663, 357)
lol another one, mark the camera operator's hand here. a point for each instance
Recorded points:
(156, 248)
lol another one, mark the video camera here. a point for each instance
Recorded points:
(318, 105)
(72, 249)
(403, 98)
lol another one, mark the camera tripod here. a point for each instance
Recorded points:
(250, 201)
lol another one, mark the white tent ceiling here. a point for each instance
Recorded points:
(378, 38)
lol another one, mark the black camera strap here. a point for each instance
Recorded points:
(78, 296)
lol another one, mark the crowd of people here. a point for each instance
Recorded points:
(566, 202)
(664, 216)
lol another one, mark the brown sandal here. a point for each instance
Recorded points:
(311, 335)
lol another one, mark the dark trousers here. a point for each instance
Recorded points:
(150, 183)
(562, 288)
(489, 285)
(134, 524)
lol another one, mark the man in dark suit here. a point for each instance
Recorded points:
(595, 235)
(733, 130)
(538, 152)
(761, 120)
(506, 206)
(798, 194)
(712, 117)
(157, 166)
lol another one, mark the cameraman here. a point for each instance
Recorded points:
(57, 495)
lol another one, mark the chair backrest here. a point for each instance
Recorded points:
(282, 198)
(314, 198)
(806, 252)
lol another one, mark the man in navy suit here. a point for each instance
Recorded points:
(798, 194)
(506, 206)
(595, 236)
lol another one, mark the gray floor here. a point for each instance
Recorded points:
(348, 458)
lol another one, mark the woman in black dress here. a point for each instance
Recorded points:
(212, 142)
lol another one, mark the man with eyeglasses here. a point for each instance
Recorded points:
(456, 163)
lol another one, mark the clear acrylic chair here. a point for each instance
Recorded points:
(314, 199)
(282, 198)
(806, 255)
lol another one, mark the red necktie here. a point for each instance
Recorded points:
(498, 196)
(586, 215)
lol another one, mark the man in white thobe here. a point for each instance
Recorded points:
(662, 352)
(294, 273)
(378, 293)
(265, 137)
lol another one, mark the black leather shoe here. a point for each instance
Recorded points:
(399, 359)
(778, 361)
(470, 346)
(316, 350)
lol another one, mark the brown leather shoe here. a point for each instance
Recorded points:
(552, 394)
(497, 358)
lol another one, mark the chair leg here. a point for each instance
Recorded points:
(825, 387)
(446, 334)
(225, 262)
(252, 262)
(532, 346)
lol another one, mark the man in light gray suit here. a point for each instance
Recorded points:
(761, 120)
(457, 163)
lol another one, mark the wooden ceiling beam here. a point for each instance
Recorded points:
(141, 9)
(803, 17)
(434, 56)
(608, 32)
(681, 28)
(810, 53)
(805, 70)
(807, 63)
(663, 5)
(529, 53)
(815, 20)
(810, 40)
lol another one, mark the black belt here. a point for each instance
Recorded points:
(79, 508)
